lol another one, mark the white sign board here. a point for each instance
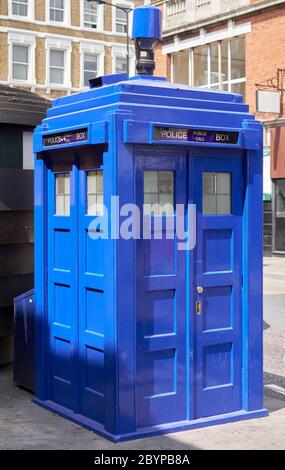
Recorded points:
(268, 101)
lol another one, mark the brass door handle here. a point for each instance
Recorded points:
(198, 307)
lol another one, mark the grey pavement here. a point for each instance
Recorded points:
(24, 425)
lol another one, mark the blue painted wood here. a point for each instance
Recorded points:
(161, 312)
(218, 269)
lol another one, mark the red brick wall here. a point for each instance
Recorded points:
(264, 52)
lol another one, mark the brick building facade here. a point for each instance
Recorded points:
(234, 45)
(53, 47)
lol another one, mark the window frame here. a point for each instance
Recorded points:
(55, 175)
(65, 46)
(158, 193)
(220, 84)
(55, 67)
(122, 3)
(94, 170)
(100, 18)
(91, 48)
(88, 70)
(66, 14)
(27, 40)
(30, 13)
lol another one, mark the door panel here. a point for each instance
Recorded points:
(91, 308)
(160, 301)
(218, 278)
(62, 309)
(75, 293)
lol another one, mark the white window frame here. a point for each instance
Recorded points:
(28, 40)
(229, 82)
(91, 48)
(100, 24)
(66, 16)
(121, 51)
(65, 46)
(127, 4)
(203, 39)
(30, 15)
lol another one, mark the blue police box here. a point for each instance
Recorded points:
(144, 334)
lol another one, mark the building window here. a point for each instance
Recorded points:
(56, 66)
(56, 10)
(219, 65)
(62, 194)
(95, 193)
(20, 62)
(158, 192)
(90, 15)
(279, 204)
(120, 64)
(90, 67)
(121, 19)
(181, 67)
(20, 7)
(216, 193)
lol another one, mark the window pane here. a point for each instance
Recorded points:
(214, 54)
(166, 203)
(216, 193)
(238, 88)
(56, 76)
(223, 204)
(62, 194)
(280, 197)
(224, 58)
(151, 182)
(20, 72)
(90, 62)
(209, 204)
(181, 67)
(165, 182)
(20, 54)
(237, 58)
(57, 58)
(159, 189)
(201, 66)
(223, 183)
(121, 64)
(20, 7)
(90, 14)
(95, 193)
(208, 183)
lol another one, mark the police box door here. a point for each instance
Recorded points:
(160, 291)
(75, 283)
(217, 276)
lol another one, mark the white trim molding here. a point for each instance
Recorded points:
(22, 39)
(30, 15)
(91, 48)
(206, 38)
(64, 45)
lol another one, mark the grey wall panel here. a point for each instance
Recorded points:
(16, 227)
(16, 259)
(16, 190)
